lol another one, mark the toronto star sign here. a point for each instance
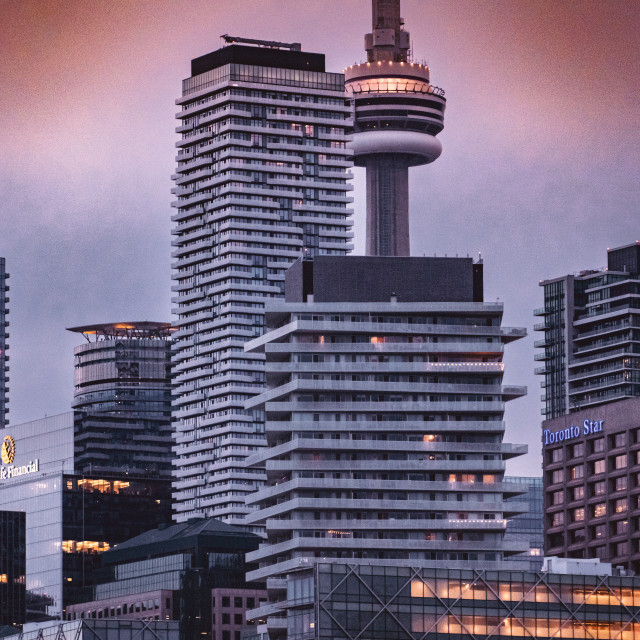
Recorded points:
(571, 433)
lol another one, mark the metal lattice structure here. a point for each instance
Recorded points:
(357, 602)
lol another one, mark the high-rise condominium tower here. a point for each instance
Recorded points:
(397, 114)
(260, 181)
(4, 358)
(591, 335)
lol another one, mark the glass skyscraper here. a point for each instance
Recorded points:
(261, 179)
(122, 399)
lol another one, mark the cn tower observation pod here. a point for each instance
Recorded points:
(397, 114)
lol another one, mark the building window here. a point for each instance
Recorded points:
(598, 445)
(237, 602)
(578, 493)
(556, 455)
(621, 483)
(577, 536)
(226, 618)
(621, 505)
(558, 519)
(620, 440)
(251, 603)
(226, 601)
(622, 548)
(599, 531)
(578, 514)
(557, 476)
(600, 552)
(238, 619)
(600, 510)
(621, 461)
(599, 466)
(599, 488)
(577, 472)
(558, 497)
(622, 526)
(578, 450)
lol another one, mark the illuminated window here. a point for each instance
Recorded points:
(577, 472)
(558, 519)
(578, 514)
(622, 526)
(600, 531)
(599, 466)
(599, 488)
(621, 483)
(621, 505)
(600, 510)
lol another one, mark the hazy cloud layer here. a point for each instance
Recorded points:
(539, 170)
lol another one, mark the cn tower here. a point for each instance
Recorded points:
(397, 116)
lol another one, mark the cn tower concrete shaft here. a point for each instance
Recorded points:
(387, 205)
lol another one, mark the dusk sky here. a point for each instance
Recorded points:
(540, 168)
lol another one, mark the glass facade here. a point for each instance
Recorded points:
(528, 526)
(122, 399)
(70, 518)
(4, 346)
(105, 630)
(389, 603)
(12, 568)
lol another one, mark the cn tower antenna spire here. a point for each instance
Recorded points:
(388, 41)
(397, 115)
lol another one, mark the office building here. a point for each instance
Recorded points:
(528, 526)
(384, 420)
(71, 517)
(591, 462)
(192, 572)
(4, 345)
(369, 602)
(397, 116)
(261, 179)
(12, 569)
(591, 329)
(102, 630)
(122, 399)
(591, 325)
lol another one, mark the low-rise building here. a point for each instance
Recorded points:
(193, 572)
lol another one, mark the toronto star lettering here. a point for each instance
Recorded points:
(572, 432)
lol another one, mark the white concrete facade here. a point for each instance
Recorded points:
(385, 430)
(261, 179)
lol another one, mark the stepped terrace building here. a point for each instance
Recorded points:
(384, 418)
(261, 179)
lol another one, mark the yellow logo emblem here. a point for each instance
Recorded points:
(8, 450)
